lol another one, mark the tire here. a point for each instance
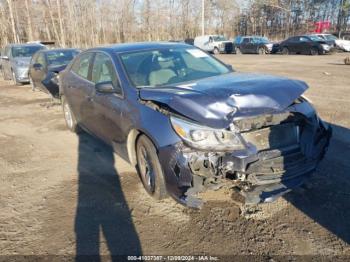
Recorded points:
(69, 117)
(262, 51)
(285, 51)
(314, 51)
(14, 79)
(216, 51)
(149, 168)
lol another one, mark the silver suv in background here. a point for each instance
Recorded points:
(16, 59)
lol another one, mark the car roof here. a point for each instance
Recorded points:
(127, 47)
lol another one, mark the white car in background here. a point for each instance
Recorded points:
(340, 43)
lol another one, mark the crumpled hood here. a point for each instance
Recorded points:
(217, 100)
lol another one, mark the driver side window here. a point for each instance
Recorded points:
(103, 71)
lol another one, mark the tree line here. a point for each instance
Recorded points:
(85, 23)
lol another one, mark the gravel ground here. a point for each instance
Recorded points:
(62, 194)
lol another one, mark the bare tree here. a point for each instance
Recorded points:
(13, 24)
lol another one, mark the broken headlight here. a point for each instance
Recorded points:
(206, 138)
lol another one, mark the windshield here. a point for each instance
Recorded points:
(330, 37)
(25, 51)
(170, 66)
(62, 57)
(219, 38)
(315, 38)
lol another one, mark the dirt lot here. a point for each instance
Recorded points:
(62, 194)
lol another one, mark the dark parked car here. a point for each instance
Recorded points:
(307, 45)
(16, 60)
(254, 45)
(191, 124)
(45, 67)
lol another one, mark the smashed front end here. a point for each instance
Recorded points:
(280, 151)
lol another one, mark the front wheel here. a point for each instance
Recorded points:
(314, 51)
(69, 117)
(262, 51)
(216, 51)
(285, 51)
(149, 168)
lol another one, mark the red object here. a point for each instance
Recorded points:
(322, 26)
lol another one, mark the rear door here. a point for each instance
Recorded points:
(78, 87)
(108, 108)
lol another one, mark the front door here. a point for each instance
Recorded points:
(107, 119)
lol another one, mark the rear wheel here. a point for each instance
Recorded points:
(149, 168)
(285, 51)
(69, 117)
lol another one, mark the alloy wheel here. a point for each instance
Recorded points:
(146, 169)
(262, 51)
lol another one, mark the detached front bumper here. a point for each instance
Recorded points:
(256, 175)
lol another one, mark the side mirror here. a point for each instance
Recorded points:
(5, 58)
(105, 87)
(38, 66)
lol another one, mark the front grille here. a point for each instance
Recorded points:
(274, 137)
(275, 166)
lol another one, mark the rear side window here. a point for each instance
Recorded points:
(82, 64)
